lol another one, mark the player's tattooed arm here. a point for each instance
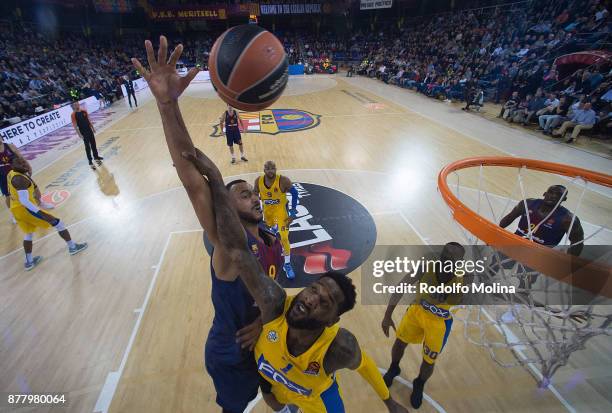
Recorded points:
(343, 353)
(268, 294)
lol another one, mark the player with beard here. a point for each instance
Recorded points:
(272, 188)
(301, 347)
(237, 324)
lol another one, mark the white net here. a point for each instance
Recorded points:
(541, 325)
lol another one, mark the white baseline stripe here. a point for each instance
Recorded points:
(112, 380)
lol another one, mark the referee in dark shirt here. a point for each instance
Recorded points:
(129, 88)
(84, 128)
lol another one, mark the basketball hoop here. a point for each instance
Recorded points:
(540, 330)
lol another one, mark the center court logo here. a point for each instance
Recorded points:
(332, 231)
(274, 121)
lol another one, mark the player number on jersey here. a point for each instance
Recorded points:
(428, 352)
(272, 271)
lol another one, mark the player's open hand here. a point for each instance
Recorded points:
(395, 407)
(386, 323)
(248, 335)
(164, 82)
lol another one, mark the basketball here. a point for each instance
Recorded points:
(248, 67)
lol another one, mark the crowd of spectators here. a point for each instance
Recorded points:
(39, 73)
(503, 54)
(499, 54)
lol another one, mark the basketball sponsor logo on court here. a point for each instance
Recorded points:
(55, 197)
(330, 232)
(274, 121)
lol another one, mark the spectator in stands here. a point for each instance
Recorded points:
(535, 105)
(553, 119)
(550, 104)
(583, 119)
(509, 106)
(519, 114)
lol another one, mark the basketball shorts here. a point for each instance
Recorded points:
(30, 221)
(233, 136)
(283, 230)
(4, 184)
(329, 401)
(236, 384)
(421, 326)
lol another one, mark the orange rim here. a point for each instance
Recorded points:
(582, 273)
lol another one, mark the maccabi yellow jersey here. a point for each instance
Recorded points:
(14, 196)
(438, 304)
(274, 201)
(296, 380)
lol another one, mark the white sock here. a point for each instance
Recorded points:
(287, 259)
(71, 244)
(241, 152)
(28, 258)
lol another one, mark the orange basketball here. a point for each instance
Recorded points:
(248, 67)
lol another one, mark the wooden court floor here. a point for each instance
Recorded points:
(121, 327)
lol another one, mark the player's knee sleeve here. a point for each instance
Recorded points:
(59, 226)
(28, 237)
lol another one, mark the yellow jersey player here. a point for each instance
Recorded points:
(272, 190)
(301, 347)
(29, 216)
(427, 320)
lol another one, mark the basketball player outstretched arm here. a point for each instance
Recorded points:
(345, 353)
(166, 86)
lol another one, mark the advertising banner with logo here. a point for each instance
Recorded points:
(113, 6)
(188, 13)
(244, 9)
(376, 4)
(311, 8)
(22, 133)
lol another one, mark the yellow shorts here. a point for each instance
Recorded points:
(283, 230)
(329, 401)
(29, 221)
(420, 326)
